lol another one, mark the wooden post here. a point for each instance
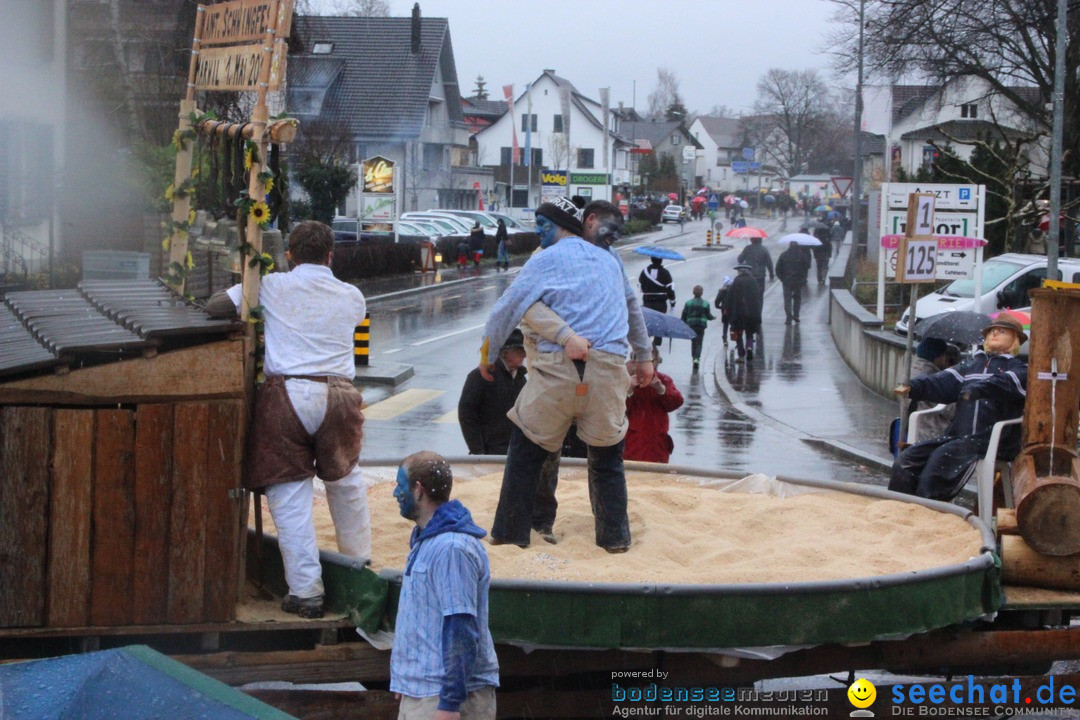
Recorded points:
(178, 240)
(1046, 476)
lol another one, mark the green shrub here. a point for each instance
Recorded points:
(633, 227)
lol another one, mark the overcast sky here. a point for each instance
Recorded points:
(717, 48)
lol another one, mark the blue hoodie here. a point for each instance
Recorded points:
(462, 640)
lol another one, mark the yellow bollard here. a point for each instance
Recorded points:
(708, 238)
(361, 341)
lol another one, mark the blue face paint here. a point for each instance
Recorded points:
(546, 230)
(403, 495)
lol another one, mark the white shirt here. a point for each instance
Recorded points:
(309, 318)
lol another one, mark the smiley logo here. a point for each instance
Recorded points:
(862, 693)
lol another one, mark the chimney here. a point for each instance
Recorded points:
(416, 28)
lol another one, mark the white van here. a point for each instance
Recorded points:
(1006, 280)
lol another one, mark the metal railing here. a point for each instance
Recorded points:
(21, 257)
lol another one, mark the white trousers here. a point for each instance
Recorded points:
(290, 505)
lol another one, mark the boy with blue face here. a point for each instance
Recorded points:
(443, 662)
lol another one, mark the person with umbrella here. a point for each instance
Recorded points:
(657, 288)
(988, 387)
(647, 409)
(696, 314)
(760, 261)
(792, 267)
(744, 308)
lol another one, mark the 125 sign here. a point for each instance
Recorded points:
(919, 261)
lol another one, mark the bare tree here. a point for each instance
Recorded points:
(559, 151)
(788, 116)
(721, 111)
(351, 8)
(665, 94)
(1009, 44)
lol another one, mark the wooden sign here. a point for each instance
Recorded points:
(238, 22)
(916, 258)
(230, 68)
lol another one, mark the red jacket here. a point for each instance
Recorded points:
(647, 438)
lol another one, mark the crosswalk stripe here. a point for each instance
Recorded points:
(450, 417)
(400, 403)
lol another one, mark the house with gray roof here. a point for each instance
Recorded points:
(668, 137)
(390, 87)
(721, 140)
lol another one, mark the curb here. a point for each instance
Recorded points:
(833, 447)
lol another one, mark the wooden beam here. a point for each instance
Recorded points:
(112, 550)
(24, 514)
(164, 378)
(331, 704)
(71, 507)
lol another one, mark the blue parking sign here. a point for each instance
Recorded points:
(714, 201)
(965, 193)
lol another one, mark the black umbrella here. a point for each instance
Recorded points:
(814, 225)
(660, 325)
(956, 326)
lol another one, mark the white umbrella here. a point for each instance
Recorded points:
(743, 204)
(801, 239)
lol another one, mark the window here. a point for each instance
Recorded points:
(506, 155)
(26, 171)
(537, 156)
(322, 48)
(969, 110)
(675, 139)
(525, 122)
(585, 157)
(557, 125)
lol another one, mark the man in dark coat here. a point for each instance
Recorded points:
(989, 387)
(476, 244)
(760, 261)
(482, 415)
(483, 405)
(822, 253)
(657, 289)
(744, 307)
(792, 268)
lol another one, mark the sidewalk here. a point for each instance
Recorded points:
(797, 383)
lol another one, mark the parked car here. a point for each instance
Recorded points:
(1006, 281)
(419, 230)
(346, 229)
(511, 223)
(455, 225)
(672, 213)
(489, 221)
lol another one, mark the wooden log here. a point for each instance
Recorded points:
(153, 491)
(187, 543)
(1006, 522)
(1022, 565)
(222, 507)
(70, 511)
(282, 130)
(331, 704)
(1048, 500)
(1047, 491)
(24, 513)
(113, 539)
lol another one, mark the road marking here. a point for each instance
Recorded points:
(391, 352)
(403, 402)
(450, 417)
(448, 335)
(451, 297)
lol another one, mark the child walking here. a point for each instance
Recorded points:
(697, 315)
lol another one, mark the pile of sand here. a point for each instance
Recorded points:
(685, 532)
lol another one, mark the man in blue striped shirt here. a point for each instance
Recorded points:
(443, 663)
(584, 285)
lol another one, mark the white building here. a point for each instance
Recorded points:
(914, 117)
(565, 131)
(721, 142)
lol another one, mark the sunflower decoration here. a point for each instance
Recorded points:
(260, 213)
(266, 177)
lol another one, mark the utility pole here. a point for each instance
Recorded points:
(856, 176)
(1055, 147)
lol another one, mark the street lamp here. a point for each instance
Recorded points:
(857, 233)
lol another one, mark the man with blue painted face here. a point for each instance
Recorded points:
(443, 663)
(584, 285)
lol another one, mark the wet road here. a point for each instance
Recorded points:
(438, 332)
